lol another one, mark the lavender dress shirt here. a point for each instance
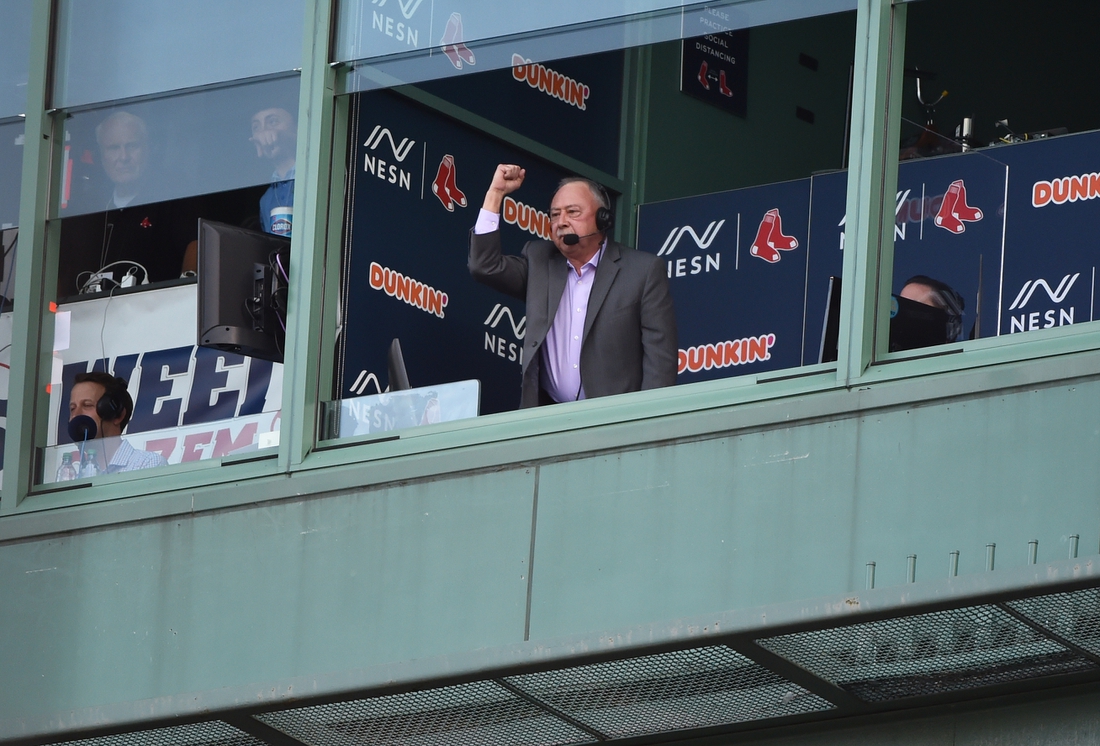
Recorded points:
(561, 353)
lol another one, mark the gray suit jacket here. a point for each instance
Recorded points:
(629, 339)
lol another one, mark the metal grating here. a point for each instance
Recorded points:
(213, 733)
(671, 691)
(1074, 616)
(943, 651)
(481, 713)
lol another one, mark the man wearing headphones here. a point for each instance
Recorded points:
(600, 319)
(104, 398)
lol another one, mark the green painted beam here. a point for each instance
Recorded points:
(308, 244)
(872, 181)
(32, 320)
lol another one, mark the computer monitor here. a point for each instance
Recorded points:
(242, 290)
(399, 377)
(830, 328)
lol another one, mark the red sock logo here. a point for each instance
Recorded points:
(722, 87)
(453, 45)
(703, 76)
(770, 239)
(779, 240)
(955, 211)
(444, 186)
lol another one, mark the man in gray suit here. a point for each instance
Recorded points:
(600, 319)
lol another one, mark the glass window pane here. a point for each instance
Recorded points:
(15, 38)
(177, 146)
(126, 48)
(410, 41)
(176, 402)
(712, 149)
(11, 171)
(995, 189)
(137, 180)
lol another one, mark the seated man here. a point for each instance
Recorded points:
(104, 399)
(932, 292)
(275, 135)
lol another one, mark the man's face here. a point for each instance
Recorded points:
(83, 399)
(123, 148)
(274, 134)
(573, 210)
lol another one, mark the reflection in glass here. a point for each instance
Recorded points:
(136, 180)
(179, 146)
(11, 170)
(464, 36)
(127, 48)
(15, 47)
(396, 410)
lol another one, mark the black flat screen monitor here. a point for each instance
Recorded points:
(395, 362)
(242, 289)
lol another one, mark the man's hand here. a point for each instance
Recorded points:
(507, 179)
(263, 140)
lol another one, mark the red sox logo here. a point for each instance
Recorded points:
(770, 239)
(954, 211)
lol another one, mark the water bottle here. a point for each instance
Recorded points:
(88, 468)
(66, 471)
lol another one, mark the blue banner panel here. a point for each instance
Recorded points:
(571, 105)
(418, 179)
(949, 225)
(1050, 254)
(736, 263)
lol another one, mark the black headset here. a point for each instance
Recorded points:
(114, 402)
(604, 217)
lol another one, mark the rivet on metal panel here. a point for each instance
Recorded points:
(911, 570)
(1074, 539)
(953, 564)
(870, 575)
(990, 552)
(1033, 551)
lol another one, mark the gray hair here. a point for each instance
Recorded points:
(597, 191)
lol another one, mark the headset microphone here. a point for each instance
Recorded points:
(81, 429)
(572, 239)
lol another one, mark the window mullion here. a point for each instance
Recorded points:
(872, 180)
(314, 157)
(31, 316)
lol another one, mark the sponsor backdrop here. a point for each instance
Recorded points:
(571, 105)
(419, 180)
(736, 264)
